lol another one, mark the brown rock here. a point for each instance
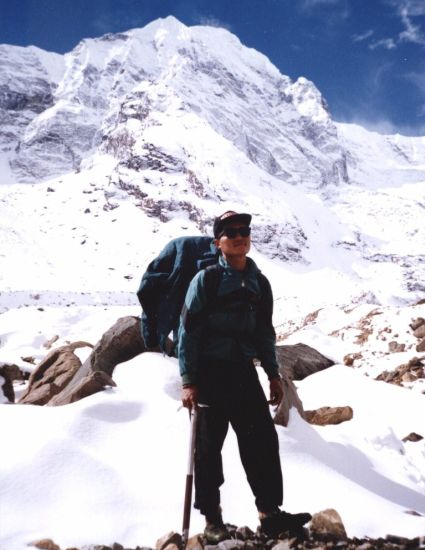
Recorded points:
(194, 543)
(421, 346)
(119, 343)
(45, 544)
(395, 347)
(49, 343)
(171, 538)
(329, 415)
(416, 323)
(52, 374)
(290, 399)
(412, 437)
(420, 331)
(9, 373)
(301, 360)
(351, 357)
(327, 525)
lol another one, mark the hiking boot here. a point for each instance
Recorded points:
(215, 530)
(215, 533)
(280, 522)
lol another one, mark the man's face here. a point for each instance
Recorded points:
(234, 245)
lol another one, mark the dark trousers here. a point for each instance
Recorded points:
(234, 395)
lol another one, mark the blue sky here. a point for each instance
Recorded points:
(367, 57)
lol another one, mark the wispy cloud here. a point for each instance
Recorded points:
(386, 43)
(413, 8)
(211, 21)
(362, 37)
(412, 33)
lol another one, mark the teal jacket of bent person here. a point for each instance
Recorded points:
(236, 326)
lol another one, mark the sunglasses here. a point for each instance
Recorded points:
(232, 232)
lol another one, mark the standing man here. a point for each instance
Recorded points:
(226, 322)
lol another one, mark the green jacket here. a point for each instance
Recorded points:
(230, 329)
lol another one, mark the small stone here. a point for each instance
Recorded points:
(327, 525)
(397, 540)
(413, 436)
(45, 544)
(413, 512)
(282, 545)
(231, 544)
(170, 538)
(395, 347)
(420, 331)
(244, 533)
(416, 323)
(194, 543)
(421, 346)
(329, 415)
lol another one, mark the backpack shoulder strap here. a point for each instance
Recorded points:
(212, 281)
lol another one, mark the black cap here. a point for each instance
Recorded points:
(229, 217)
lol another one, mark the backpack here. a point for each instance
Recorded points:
(165, 282)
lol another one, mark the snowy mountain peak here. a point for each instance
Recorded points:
(309, 101)
(205, 71)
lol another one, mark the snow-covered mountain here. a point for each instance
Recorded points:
(180, 123)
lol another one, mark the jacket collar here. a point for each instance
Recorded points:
(233, 279)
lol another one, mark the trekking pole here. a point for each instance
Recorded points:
(189, 479)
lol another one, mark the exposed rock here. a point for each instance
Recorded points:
(301, 360)
(282, 545)
(290, 399)
(29, 359)
(194, 543)
(420, 331)
(329, 415)
(416, 323)
(52, 374)
(45, 544)
(93, 383)
(120, 343)
(351, 357)
(9, 373)
(170, 538)
(412, 437)
(244, 533)
(405, 373)
(327, 525)
(395, 347)
(49, 343)
(421, 346)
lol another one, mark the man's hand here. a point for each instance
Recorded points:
(276, 391)
(190, 397)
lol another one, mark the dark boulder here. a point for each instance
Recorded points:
(300, 360)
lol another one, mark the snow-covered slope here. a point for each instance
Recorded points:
(169, 125)
(121, 454)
